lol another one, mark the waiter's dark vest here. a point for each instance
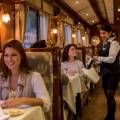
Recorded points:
(110, 68)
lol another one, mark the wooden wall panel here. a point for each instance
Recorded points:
(37, 3)
(48, 8)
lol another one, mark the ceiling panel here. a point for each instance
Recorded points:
(83, 8)
(102, 8)
(89, 16)
(88, 12)
(110, 16)
(101, 11)
(109, 10)
(83, 4)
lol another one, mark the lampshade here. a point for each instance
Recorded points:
(55, 31)
(83, 38)
(73, 35)
(5, 17)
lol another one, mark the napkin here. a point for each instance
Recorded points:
(1, 112)
(3, 116)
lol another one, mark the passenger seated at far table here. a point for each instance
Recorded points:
(70, 66)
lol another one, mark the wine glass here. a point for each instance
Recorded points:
(66, 70)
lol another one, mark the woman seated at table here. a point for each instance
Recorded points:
(69, 64)
(18, 83)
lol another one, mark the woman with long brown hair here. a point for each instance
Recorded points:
(18, 83)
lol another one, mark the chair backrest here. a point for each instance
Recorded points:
(47, 62)
(42, 63)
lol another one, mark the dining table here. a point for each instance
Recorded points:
(75, 86)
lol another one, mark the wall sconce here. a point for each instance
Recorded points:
(73, 35)
(118, 9)
(54, 31)
(95, 40)
(8, 11)
(5, 17)
(83, 38)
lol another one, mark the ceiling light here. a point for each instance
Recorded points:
(77, 2)
(93, 21)
(86, 14)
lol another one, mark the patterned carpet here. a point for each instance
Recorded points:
(96, 108)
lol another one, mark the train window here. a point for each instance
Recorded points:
(31, 28)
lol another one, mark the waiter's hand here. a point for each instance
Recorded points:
(95, 58)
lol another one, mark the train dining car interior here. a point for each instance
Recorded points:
(74, 46)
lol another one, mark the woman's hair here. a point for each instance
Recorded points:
(24, 66)
(65, 56)
(106, 27)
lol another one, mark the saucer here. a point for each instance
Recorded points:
(14, 111)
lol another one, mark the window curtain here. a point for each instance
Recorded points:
(31, 32)
(68, 35)
(20, 22)
(44, 21)
(79, 37)
(87, 39)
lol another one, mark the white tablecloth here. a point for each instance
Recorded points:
(30, 113)
(76, 85)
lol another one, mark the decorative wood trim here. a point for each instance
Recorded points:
(57, 87)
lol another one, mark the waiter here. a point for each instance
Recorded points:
(110, 67)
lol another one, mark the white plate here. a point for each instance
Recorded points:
(14, 111)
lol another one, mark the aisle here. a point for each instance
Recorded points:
(96, 108)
